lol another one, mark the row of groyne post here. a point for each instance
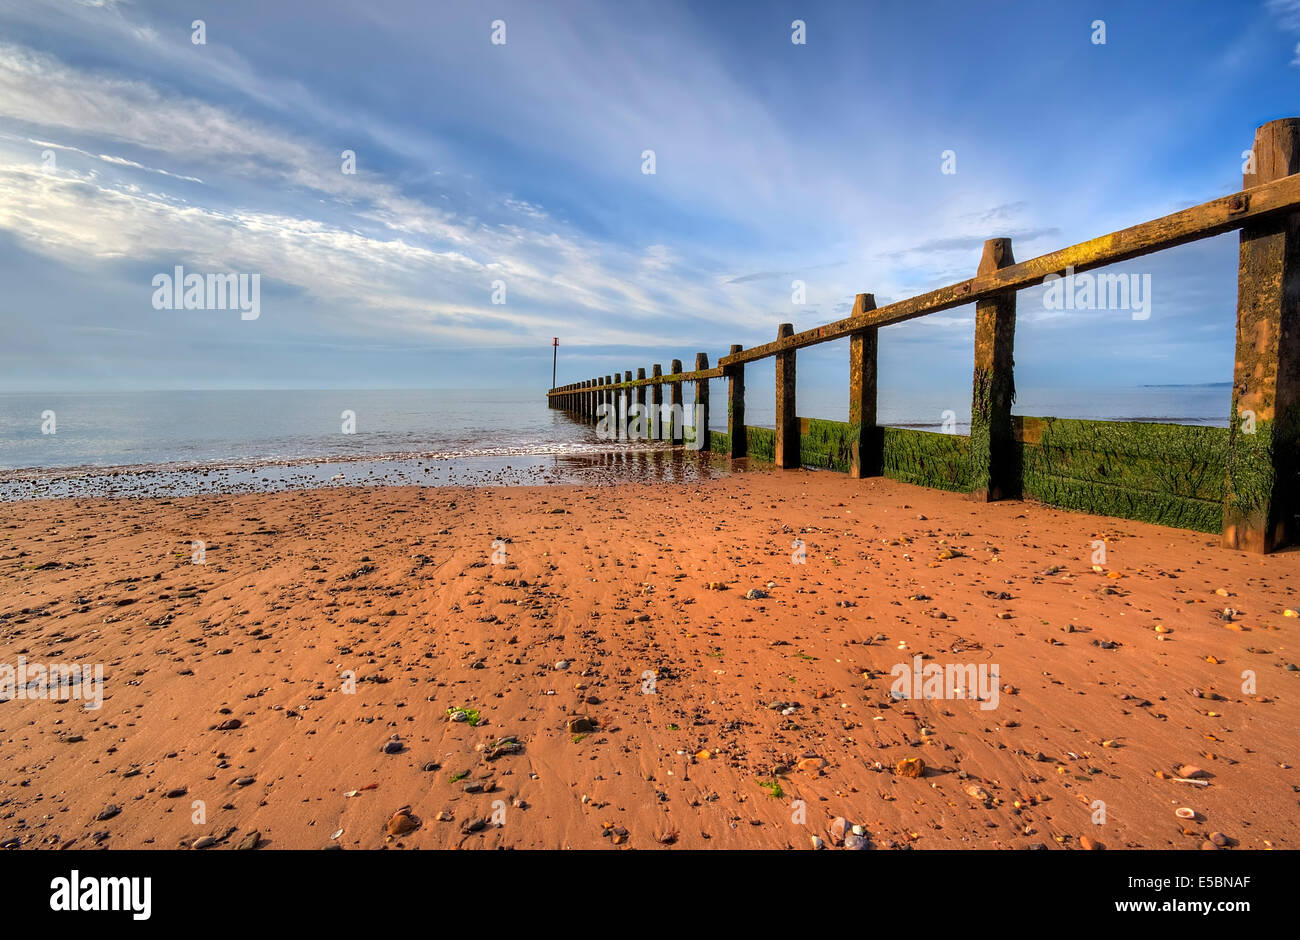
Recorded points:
(1242, 481)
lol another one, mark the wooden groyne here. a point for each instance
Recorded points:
(1242, 481)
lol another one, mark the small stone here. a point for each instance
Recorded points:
(1088, 845)
(249, 842)
(817, 843)
(562, 664)
(245, 781)
(393, 747)
(855, 842)
(1192, 772)
(1219, 839)
(176, 793)
(580, 725)
(108, 812)
(840, 827)
(230, 724)
(205, 842)
(402, 822)
(755, 594)
(910, 767)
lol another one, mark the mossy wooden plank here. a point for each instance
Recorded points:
(1105, 500)
(926, 458)
(762, 443)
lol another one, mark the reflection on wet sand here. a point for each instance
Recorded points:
(631, 463)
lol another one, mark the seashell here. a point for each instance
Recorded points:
(1185, 812)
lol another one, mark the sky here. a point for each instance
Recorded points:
(515, 171)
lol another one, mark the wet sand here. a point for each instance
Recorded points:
(629, 689)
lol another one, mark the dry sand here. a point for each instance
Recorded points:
(398, 587)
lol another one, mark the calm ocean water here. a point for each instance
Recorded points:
(281, 438)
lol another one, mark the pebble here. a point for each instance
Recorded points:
(817, 843)
(108, 812)
(840, 827)
(755, 594)
(250, 842)
(245, 781)
(393, 747)
(581, 725)
(1219, 839)
(1088, 845)
(910, 767)
(402, 822)
(562, 664)
(1192, 772)
(205, 842)
(176, 793)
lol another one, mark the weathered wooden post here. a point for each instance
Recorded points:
(994, 386)
(702, 402)
(738, 447)
(642, 419)
(787, 424)
(678, 418)
(607, 398)
(624, 405)
(1259, 499)
(865, 458)
(656, 402)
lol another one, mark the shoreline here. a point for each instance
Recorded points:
(226, 682)
(619, 465)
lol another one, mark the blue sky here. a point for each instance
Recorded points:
(522, 163)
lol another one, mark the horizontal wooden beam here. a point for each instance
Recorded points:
(1188, 225)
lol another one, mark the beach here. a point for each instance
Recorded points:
(712, 663)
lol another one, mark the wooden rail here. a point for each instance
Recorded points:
(1263, 458)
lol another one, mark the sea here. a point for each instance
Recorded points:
(150, 443)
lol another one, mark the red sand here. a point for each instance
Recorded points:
(398, 585)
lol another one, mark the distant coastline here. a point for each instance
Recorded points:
(1186, 385)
